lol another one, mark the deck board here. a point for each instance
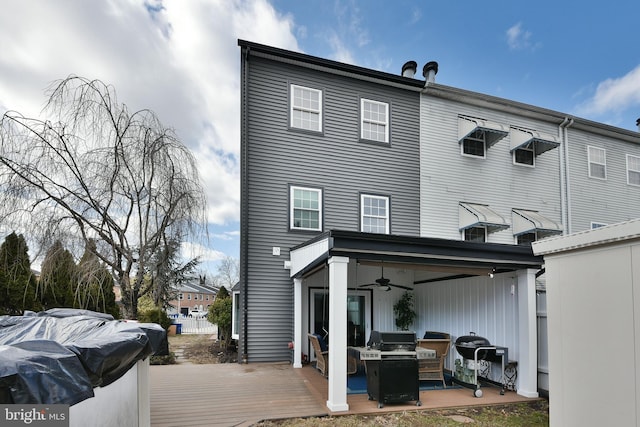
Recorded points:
(241, 395)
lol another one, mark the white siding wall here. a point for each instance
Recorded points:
(479, 304)
(605, 201)
(448, 178)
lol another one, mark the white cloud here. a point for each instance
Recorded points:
(178, 59)
(206, 255)
(614, 95)
(518, 38)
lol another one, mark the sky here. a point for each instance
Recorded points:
(180, 58)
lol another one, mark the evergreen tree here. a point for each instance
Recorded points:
(57, 278)
(94, 290)
(17, 282)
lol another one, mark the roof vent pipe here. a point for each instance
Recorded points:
(429, 71)
(409, 69)
(638, 124)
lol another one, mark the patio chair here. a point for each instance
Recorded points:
(322, 356)
(433, 369)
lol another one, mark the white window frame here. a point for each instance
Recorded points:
(475, 138)
(235, 315)
(386, 217)
(533, 156)
(292, 208)
(363, 120)
(590, 153)
(305, 109)
(486, 234)
(634, 171)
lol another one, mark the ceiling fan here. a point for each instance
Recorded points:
(384, 283)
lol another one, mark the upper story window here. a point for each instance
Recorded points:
(633, 170)
(374, 214)
(474, 144)
(476, 135)
(524, 156)
(180, 296)
(188, 296)
(306, 209)
(597, 162)
(475, 234)
(526, 238)
(306, 108)
(375, 120)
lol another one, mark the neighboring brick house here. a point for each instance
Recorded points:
(192, 296)
(349, 174)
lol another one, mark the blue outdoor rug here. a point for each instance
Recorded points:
(357, 384)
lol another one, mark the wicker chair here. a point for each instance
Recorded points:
(433, 369)
(322, 357)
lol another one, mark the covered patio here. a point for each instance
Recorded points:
(459, 287)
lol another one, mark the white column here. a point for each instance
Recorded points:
(528, 335)
(337, 400)
(297, 323)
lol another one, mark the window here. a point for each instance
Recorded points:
(374, 214)
(475, 234)
(597, 162)
(207, 297)
(474, 144)
(306, 108)
(235, 316)
(524, 156)
(180, 296)
(375, 120)
(526, 238)
(188, 296)
(595, 225)
(306, 209)
(633, 170)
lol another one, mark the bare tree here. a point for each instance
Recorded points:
(228, 272)
(99, 172)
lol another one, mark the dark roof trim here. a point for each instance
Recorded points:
(423, 250)
(304, 59)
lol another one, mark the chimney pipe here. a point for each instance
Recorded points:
(409, 69)
(638, 124)
(429, 71)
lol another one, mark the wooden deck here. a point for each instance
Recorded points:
(241, 395)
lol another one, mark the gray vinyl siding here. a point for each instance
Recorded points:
(596, 200)
(449, 178)
(335, 161)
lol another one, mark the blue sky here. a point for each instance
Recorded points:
(180, 59)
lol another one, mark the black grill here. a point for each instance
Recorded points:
(392, 368)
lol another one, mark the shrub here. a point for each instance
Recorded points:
(155, 315)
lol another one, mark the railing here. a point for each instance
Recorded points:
(195, 325)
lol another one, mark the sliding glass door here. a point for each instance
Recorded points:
(358, 315)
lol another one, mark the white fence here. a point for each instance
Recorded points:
(195, 325)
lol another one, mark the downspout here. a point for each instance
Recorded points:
(244, 216)
(565, 192)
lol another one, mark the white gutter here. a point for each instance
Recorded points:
(565, 190)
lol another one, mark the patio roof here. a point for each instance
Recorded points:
(454, 256)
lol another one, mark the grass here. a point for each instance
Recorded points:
(535, 414)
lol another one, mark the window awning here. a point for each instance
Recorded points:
(525, 138)
(494, 132)
(525, 221)
(475, 215)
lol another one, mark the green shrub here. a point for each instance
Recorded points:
(155, 315)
